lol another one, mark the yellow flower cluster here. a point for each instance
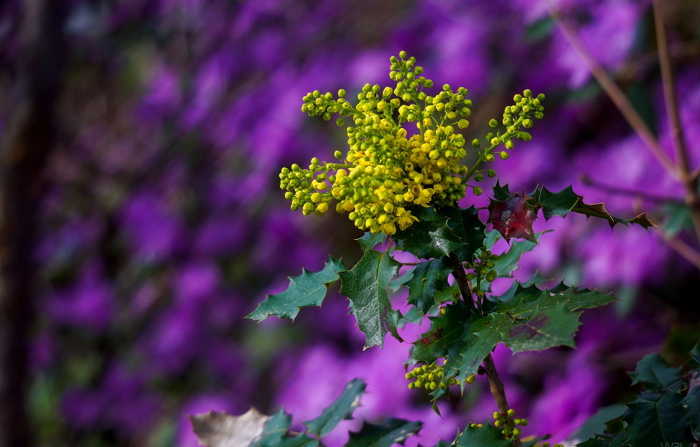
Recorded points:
(388, 173)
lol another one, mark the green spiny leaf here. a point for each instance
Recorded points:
(391, 431)
(486, 436)
(428, 278)
(445, 330)
(365, 285)
(274, 430)
(340, 409)
(396, 283)
(369, 240)
(430, 237)
(507, 262)
(307, 289)
(656, 420)
(655, 374)
(535, 320)
(501, 192)
(468, 228)
(565, 201)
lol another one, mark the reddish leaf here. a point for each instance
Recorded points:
(513, 217)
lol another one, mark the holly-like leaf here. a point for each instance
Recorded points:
(531, 320)
(655, 374)
(365, 285)
(485, 436)
(428, 278)
(396, 283)
(369, 240)
(216, 429)
(501, 193)
(391, 431)
(507, 262)
(307, 289)
(468, 228)
(430, 237)
(340, 409)
(565, 201)
(445, 330)
(513, 217)
(656, 420)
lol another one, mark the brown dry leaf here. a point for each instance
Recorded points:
(216, 429)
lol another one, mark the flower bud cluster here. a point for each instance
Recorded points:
(388, 173)
(482, 268)
(431, 377)
(508, 423)
(515, 118)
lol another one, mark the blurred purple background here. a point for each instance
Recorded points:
(161, 224)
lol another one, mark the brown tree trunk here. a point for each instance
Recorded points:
(23, 153)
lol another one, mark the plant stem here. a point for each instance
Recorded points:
(690, 181)
(614, 92)
(497, 389)
(462, 281)
(495, 384)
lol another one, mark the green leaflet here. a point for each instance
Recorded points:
(307, 289)
(365, 285)
(507, 262)
(655, 374)
(665, 413)
(340, 409)
(468, 228)
(428, 278)
(369, 240)
(655, 420)
(430, 237)
(391, 431)
(486, 436)
(565, 201)
(533, 320)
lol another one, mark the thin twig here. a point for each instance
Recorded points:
(609, 189)
(495, 383)
(614, 92)
(675, 128)
(683, 249)
(462, 281)
(497, 389)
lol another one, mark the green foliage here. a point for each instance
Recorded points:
(428, 278)
(341, 409)
(307, 289)
(430, 237)
(365, 285)
(565, 201)
(403, 187)
(485, 436)
(666, 412)
(391, 431)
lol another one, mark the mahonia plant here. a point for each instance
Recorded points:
(390, 169)
(402, 180)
